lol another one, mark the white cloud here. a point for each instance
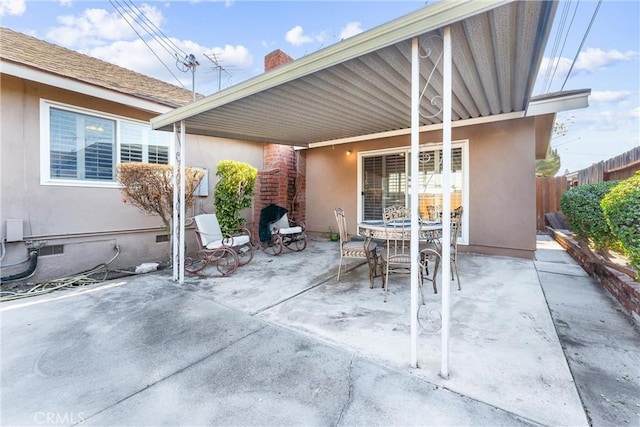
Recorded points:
(589, 61)
(66, 3)
(296, 36)
(12, 7)
(595, 59)
(96, 27)
(635, 113)
(609, 95)
(350, 30)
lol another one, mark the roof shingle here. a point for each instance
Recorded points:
(35, 53)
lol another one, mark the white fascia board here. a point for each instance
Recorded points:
(49, 79)
(558, 104)
(413, 24)
(427, 128)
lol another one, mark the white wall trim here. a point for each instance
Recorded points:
(49, 79)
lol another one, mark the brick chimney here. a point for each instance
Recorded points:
(275, 59)
(283, 179)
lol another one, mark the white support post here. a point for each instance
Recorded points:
(183, 189)
(415, 153)
(176, 213)
(446, 202)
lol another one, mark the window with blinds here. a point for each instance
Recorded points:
(83, 146)
(385, 181)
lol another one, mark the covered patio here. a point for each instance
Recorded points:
(141, 350)
(504, 348)
(448, 65)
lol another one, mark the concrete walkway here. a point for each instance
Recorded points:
(282, 343)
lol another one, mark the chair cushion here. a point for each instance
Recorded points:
(209, 228)
(237, 241)
(291, 230)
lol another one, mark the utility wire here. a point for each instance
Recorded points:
(556, 43)
(145, 42)
(584, 38)
(158, 34)
(563, 45)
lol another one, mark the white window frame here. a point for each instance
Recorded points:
(463, 144)
(45, 144)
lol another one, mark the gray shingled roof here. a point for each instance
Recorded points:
(38, 54)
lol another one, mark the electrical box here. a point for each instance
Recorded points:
(14, 230)
(202, 189)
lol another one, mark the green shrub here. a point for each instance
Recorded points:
(233, 193)
(581, 206)
(621, 207)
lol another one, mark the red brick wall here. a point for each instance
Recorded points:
(282, 182)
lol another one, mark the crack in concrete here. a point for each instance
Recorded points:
(349, 395)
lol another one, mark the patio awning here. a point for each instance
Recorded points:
(362, 85)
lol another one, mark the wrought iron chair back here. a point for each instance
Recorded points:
(396, 257)
(355, 249)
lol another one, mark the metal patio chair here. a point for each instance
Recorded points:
(225, 252)
(281, 232)
(435, 255)
(355, 249)
(396, 257)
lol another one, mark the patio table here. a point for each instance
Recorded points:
(429, 232)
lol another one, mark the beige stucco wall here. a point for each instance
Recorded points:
(501, 189)
(92, 218)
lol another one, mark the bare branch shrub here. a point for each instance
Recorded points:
(149, 188)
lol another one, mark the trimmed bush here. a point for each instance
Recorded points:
(621, 207)
(233, 193)
(581, 206)
(149, 187)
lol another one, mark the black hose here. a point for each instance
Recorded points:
(33, 263)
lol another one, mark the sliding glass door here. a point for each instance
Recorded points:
(385, 180)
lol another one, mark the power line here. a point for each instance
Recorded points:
(584, 38)
(145, 42)
(556, 43)
(563, 45)
(157, 32)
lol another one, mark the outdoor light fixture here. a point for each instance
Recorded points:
(348, 152)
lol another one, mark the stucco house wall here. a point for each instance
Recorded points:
(88, 221)
(501, 208)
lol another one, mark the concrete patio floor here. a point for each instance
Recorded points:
(281, 342)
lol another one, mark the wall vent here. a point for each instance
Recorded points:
(51, 250)
(162, 238)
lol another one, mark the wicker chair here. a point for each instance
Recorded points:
(355, 249)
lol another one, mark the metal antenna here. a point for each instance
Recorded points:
(189, 63)
(216, 65)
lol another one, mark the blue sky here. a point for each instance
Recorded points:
(238, 34)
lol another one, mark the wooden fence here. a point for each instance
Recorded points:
(548, 193)
(619, 167)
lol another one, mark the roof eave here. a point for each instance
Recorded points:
(50, 79)
(563, 101)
